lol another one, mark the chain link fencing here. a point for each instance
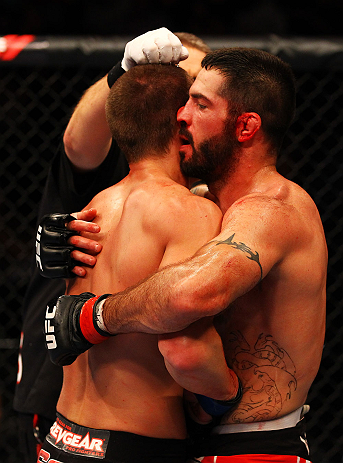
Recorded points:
(39, 88)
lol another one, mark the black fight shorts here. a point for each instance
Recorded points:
(67, 442)
(277, 446)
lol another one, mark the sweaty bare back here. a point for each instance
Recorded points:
(142, 219)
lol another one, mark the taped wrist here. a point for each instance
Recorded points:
(88, 320)
(114, 74)
(219, 407)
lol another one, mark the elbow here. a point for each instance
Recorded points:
(76, 152)
(181, 353)
(69, 143)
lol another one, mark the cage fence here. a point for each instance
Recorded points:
(39, 88)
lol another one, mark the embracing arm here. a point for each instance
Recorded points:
(180, 294)
(226, 268)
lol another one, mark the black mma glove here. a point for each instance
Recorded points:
(219, 407)
(52, 249)
(71, 326)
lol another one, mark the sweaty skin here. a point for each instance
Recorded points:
(87, 140)
(274, 333)
(147, 222)
(263, 276)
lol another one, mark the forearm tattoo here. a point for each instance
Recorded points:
(270, 376)
(244, 248)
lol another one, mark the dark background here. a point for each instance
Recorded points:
(218, 17)
(40, 88)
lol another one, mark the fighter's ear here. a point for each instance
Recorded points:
(247, 125)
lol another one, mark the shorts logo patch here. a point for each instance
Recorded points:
(78, 440)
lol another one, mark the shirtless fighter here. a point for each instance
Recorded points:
(263, 276)
(118, 402)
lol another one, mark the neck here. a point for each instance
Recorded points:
(164, 165)
(247, 178)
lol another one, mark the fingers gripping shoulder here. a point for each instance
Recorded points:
(53, 258)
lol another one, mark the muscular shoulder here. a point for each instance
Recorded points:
(108, 196)
(183, 221)
(194, 210)
(279, 223)
(175, 202)
(284, 206)
(194, 207)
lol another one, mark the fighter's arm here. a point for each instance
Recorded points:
(87, 138)
(254, 238)
(195, 359)
(195, 356)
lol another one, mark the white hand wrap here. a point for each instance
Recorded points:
(159, 46)
(200, 189)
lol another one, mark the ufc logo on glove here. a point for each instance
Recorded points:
(49, 328)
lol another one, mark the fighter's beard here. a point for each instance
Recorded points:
(214, 159)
